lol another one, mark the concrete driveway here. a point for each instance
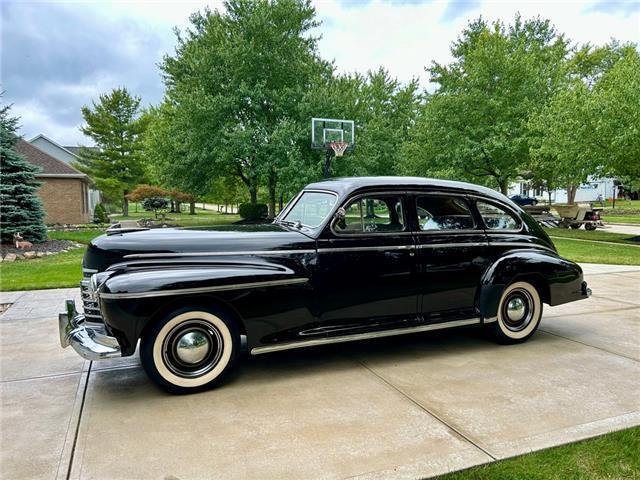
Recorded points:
(408, 407)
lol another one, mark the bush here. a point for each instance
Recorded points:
(253, 211)
(100, 214)
(155, 204)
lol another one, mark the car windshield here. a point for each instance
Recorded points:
(311, 209)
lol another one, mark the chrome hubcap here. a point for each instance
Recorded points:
(192, 347)
(516, 309)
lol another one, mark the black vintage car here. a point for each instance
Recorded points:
(347, 259)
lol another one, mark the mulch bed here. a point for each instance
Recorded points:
(54, 246)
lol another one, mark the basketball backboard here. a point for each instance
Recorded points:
(327, 130)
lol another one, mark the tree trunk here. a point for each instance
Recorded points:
(192, 208)
(125, 204)
(503, 183)
(173, 207)
(253, 194)
(178, 206)
(571, 194)
(272, 196)
(549, 193)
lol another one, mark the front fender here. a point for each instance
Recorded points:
(557, 279)
(130, 298)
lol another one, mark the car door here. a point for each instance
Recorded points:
(451, 256)
(365, 275)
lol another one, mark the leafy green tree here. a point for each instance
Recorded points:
(233, 88)
(590, 126)
(21, 208)
(384, 112)
(116, 125)
(475, 125)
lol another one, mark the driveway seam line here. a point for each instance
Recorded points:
(613, 310)
(75, 438)
(429, 412)
(589, 345)
(41, 377)
(617, 300)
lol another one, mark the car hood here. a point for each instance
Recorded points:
(111, 248)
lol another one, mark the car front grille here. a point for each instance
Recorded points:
(91, 307)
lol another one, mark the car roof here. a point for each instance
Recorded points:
(347, 185)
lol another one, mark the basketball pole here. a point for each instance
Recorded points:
(326, 171)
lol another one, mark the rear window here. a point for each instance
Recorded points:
(443, 213)
(497, 218)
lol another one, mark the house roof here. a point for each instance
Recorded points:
(51, 166)
(71, 150)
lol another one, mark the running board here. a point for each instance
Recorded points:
(363, 336)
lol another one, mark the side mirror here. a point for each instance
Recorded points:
(341, 214)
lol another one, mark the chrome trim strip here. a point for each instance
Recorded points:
(219, 288)
(520, 244)
(366, 249)
(363, 336)
(447, 245)
(218, 254)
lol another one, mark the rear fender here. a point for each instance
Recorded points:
(556, 279)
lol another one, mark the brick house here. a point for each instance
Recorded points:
(64, 191)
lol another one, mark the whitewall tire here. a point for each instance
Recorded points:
(190, 350)
(519, 313)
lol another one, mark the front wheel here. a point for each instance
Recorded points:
(519, 313)
(590, 226)
(190, 350)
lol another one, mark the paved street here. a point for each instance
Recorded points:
(626, 229)
(407, 407)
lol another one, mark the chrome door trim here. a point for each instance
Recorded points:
(219, 254)
(363, 336)
(189, 291)
(366, 249)
(452, 245)
(520, 244)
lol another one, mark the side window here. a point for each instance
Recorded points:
(496, 218)
(443, 213)
(372, 214)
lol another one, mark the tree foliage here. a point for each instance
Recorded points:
(591, 125)
(116, 125)
(233, 90)
(21, 208)
(475, 125)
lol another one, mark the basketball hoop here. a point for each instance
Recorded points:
(339, 147)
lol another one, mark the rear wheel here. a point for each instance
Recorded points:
(519, 313)
(575, 226)
(190, 350)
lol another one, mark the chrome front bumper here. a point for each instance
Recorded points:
(89, 340)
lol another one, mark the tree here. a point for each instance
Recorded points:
(116, 125)
(234, 86)
(21, 208)
(475, 124)
(590, 126)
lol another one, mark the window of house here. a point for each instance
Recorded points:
(372, 214)
(443, 213)
(497, 218)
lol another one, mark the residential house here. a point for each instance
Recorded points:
(64, 191)
(66, 154)
(593, 190)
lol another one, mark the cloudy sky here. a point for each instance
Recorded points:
(58, 56)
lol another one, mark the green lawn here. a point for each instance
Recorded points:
(201, 218)
(609, 457)
(596, 235)
(80, 236)
(56, 271)
(621, 219)
(594, 252)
